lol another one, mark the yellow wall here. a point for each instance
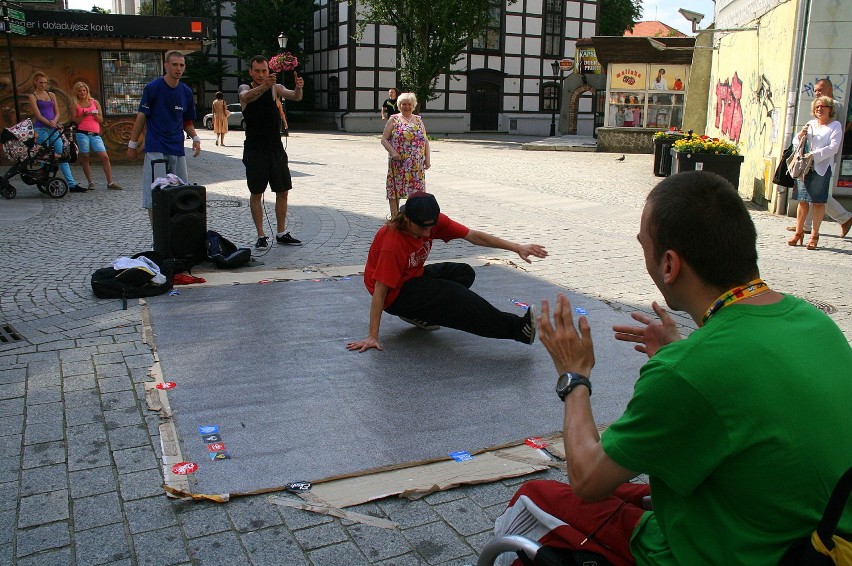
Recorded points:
(749, 89)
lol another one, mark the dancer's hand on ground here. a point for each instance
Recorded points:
(527, 250)
(364, 345)
(570, 350)
(653, 335)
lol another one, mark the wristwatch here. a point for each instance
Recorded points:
(568, 381)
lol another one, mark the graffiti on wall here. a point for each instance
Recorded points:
(762, 130)
(838, 82)
(729, 110)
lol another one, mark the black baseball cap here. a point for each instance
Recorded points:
(422, 209)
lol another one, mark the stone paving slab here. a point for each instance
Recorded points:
(72, 491)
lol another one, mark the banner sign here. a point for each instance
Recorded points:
(90, 24)
(587, 61)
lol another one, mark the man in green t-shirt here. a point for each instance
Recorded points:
(742, 428)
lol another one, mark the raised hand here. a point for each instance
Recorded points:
(570, 350)
(653, 335)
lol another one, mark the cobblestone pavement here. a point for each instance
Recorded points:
(80, 480)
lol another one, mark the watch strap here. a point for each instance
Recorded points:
(574, 379)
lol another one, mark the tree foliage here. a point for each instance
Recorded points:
(202, 8)
(258, 23)
(200, 69)
(618, 16)
(432, 35)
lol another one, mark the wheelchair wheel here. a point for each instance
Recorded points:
(57, 188)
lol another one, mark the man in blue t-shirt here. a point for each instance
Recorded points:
(167, 109)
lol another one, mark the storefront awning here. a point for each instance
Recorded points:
(670, 50)
(102, 26)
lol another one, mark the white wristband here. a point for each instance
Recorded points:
(196, 139)
(132, 144)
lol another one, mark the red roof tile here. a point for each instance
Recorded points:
(653, 29)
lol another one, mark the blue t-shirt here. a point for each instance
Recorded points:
(165, 109)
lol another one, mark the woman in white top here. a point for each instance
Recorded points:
(824, 135)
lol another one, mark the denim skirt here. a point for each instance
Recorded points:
(815, 187)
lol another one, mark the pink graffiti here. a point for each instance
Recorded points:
(729, 110)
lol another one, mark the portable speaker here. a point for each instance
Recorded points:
(179, 218)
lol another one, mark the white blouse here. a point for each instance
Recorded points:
(823, 143)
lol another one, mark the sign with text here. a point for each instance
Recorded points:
(628, 76)
(16, 14)
(566, 64)
(90, 24)
(587, 61)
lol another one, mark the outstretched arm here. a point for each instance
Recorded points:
(592, 473)
(653, 335)
(296, 94)
(480, 238)
(377, 306)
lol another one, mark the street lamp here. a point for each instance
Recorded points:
(555, 102)
(282, 40)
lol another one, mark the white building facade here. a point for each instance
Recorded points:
(502, 83)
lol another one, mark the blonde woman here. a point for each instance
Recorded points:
(46, 121)
(407, 145)
(89, 117)
(823, 136)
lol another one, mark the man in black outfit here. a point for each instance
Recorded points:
(263, 152)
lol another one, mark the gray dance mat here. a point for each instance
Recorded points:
(267, 364)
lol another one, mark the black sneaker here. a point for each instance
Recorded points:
(420, 323)
(262, 243)
(288, 240)
(528, 328)
(77, 189)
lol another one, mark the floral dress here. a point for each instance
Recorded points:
(408, 174)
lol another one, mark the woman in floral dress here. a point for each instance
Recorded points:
(407, 145)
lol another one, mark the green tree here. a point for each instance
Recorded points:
(203, 8)
(258, 23)
(98, 10)
(618, 16)
(200, 69)
(432, 35)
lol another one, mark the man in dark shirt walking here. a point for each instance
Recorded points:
(263, 152)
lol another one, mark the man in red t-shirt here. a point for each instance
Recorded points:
(439, 294)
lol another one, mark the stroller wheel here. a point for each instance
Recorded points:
(57, 188)
(6, 189)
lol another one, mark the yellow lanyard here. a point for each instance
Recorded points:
(731, 296)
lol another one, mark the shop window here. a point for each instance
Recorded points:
(124, 74)
(490, 38)
(550, 97)
(309, 34)
(553, 18)
(646, 96)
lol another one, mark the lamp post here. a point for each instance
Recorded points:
(557, 70)
(282, 40)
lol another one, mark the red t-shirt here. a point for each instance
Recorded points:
(395, 257)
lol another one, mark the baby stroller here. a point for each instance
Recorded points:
(33, 160)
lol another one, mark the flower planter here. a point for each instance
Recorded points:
(728, 166)
(663, 157)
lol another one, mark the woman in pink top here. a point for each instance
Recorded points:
(89, 119)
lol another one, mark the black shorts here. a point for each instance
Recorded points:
(267, 167)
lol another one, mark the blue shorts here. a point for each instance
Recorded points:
(87, 142)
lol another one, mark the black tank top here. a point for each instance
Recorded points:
(261, 118)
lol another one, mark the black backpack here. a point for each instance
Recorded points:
(109, 283)
(224, 253)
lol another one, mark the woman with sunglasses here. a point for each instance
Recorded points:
(823, 136)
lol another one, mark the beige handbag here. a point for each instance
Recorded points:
(799, 164)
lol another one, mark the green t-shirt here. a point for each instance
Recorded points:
(743, 428)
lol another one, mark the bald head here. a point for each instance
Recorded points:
(823, 87)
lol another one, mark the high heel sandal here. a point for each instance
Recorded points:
(812, 245)
(797, 238)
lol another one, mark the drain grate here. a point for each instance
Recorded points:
(8, 334)
(220, 203)
(823, 306)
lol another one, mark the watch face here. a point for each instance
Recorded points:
(562, 385)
